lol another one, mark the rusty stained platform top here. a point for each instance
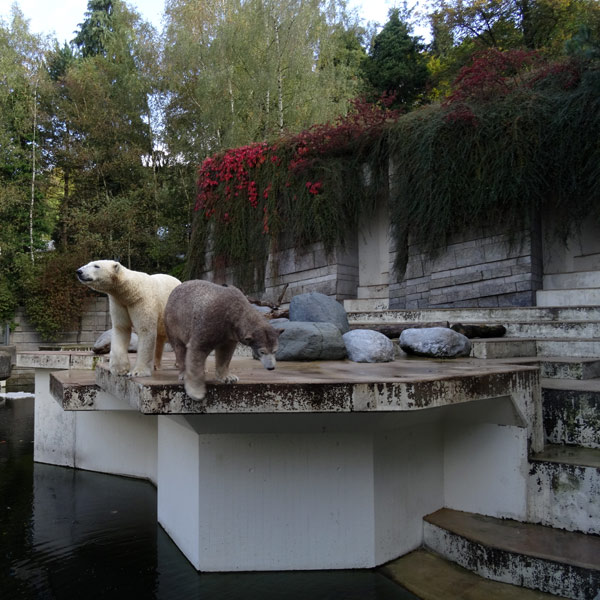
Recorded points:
(406, 384)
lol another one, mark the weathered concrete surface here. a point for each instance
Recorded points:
(58, 359)
(491, 348)
(430, 577)
(480, 315)
(77, 389)
(559, 562)
(571, 412)
(565, 488)
(328, 386)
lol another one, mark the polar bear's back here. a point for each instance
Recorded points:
(212, 311)
(164, 284)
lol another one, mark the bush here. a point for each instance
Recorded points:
(53, 297)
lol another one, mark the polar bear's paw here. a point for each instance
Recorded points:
(196, 391)
(229, 378)
(119, 369)
(138, 372)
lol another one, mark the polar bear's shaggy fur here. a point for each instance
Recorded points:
(201, 317)
(136, 300)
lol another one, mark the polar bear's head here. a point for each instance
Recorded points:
(100, 275)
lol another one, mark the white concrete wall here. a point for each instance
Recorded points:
(373, 241)
(119, 442)
(409, 484)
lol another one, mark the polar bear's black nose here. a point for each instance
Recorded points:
(79, 271)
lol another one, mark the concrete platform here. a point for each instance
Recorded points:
(320, 465)
(321, 386)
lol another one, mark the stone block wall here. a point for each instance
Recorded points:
(95, 320)
(477, 269)
(306, 269)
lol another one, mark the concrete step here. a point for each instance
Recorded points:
(569, 281)
(503, 348)
(557, 367)
(579, 368)
(553, 329)
(558, 562)
(581, 348)
(564, 488)
(504, 315)
(430, 577)
(574, 297)
(366, 304)
(571, 412)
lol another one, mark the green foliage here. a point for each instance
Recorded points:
(313, 186)
(52, 296)
(94, 33)
(517, 134)
(484, 158)
(396, 66)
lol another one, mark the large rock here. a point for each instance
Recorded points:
(310, 341)
(365, 345)
(318, 308)
(102, 344)
(435, 342)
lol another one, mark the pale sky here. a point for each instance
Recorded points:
(63, 16)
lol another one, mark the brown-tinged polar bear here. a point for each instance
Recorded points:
(200, 317)
(135, 299)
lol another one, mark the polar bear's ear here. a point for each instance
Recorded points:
(116, 267)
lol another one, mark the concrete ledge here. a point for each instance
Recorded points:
(321, 387)
(57, 359)
(77, 390)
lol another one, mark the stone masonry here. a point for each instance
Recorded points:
(305, 269)
(477, 269)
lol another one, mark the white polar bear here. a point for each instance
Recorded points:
(135, 299)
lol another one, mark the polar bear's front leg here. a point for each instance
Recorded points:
(194, 378)
(223, 356)
(144, 364)
(120, 337)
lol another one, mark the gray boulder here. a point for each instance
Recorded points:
(318, 308)
(435, 342)
(310, 341)
(366, 345)
(102, 344)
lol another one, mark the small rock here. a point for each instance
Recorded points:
(310, 341)
(435, 342)
(315, 307)
(102, 344)
(366, 345)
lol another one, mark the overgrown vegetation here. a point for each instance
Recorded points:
(100, 138)
(517, 133)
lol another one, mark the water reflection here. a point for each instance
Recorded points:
(69, 534)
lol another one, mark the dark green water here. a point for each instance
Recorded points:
(69, 534)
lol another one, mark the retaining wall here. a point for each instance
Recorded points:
(477, 269)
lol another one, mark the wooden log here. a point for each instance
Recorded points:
(479, 331)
